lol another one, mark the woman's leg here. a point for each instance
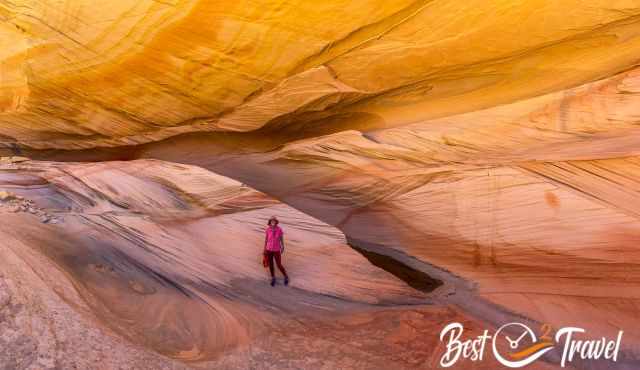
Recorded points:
(270, 258)
(279, 263)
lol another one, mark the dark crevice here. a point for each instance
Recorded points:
(414, 278)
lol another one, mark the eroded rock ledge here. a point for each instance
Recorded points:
(167, 257)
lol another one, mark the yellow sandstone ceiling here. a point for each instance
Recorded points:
(78, 75)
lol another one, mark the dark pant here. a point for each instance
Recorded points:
(270, 256)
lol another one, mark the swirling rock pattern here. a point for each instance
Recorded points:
(75, 76)
(169, 256)
(496, 140)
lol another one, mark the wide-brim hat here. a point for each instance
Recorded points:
(273, 218)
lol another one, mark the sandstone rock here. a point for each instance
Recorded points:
(396, 62)
(14, 159)
(495, 140)
(190, 207)
(5, 295)
(5, 195)
(17, 159)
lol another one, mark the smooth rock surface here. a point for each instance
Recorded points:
(496, 141)
(175, 269)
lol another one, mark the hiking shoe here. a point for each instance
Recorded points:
(273, 281)
(286, 280)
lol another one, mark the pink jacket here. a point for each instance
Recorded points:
(273, 236)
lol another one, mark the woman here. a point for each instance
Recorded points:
(274, 247)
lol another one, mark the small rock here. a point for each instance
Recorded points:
(45, 218)
(32, 210)
(17, 159)
(141, 288)
(14, 159)
(5, 195)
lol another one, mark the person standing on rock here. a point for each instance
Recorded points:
(273, 249)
